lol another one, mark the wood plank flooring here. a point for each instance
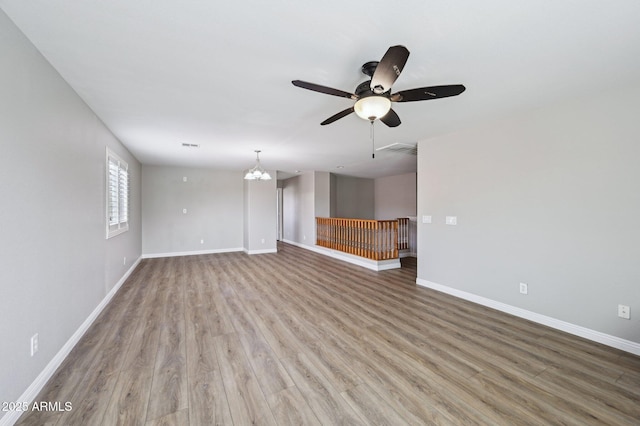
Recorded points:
(299, 338)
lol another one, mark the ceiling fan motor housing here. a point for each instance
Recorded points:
(364, 90)
(369, 68)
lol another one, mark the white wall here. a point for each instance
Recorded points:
(55, 264)
(549, 198)
(214, 202)
(395, 196)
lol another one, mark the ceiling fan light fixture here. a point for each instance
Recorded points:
(372, 107)
(257, 172)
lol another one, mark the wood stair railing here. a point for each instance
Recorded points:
(403, 233)
(372, 239)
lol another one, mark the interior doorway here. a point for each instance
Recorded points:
(279, 219)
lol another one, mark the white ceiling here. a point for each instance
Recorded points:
(165, 72)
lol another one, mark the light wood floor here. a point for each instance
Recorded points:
(299, 338)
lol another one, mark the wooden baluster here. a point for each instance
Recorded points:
(345, 235)
(390, 243)
(327, 231)
(372, 240)
(395, 252)
(334, 233)
(360, 231)
(365, 252)
(356, 238)
(349, 236)
(385, 234)
(378, 242)
(369, 240)
(385, 242)
(347, 229)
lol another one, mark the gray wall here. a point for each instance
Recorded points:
(55, 264)
(260, 211)
(548, 198)
(354, 197)
(322, 196)
(395, 196)
(332, 195)
(214, 201)
(305, 197)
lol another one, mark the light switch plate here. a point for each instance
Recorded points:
(426, 219)
(524, 288)
(451, 220)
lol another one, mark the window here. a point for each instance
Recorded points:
(117, 195)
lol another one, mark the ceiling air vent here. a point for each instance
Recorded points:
(190, 145)
(403, 148)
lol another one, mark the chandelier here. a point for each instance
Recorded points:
(257, 172)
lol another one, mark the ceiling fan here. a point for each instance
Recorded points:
(373, 97)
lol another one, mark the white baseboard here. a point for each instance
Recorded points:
(406, 253)
(34, 389)
(576, 330)
(275, 250)
(190, 253)
(374, 265)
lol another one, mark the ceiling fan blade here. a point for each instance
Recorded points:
(426, 93)
(337, 116)
(389, 69)
(324, 89)
(391, 119)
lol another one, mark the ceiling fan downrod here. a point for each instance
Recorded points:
(373, 142)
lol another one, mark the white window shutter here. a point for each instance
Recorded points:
(117, 199)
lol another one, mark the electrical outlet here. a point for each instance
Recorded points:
(124, 261)
(201, 241)
(624, 312)
(34, 344)
(524, 288)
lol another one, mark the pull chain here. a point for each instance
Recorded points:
(373, 142)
